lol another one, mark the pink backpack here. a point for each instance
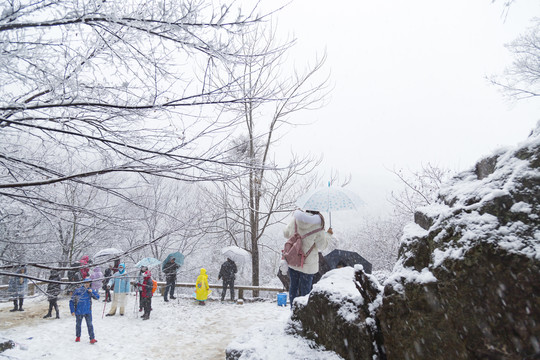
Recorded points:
(292, 251)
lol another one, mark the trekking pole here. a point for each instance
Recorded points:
(105, 305)
(136, 301)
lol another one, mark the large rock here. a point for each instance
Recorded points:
(467, 281)
(340, 320)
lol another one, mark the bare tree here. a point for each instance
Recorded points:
(420, 189)
(111, 88)
(521, 80)
(250, 204)
(168, 207)
(375, 239)
(113, 81)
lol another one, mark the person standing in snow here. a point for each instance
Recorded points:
(74, 276)
(53, 290)
(140, 280)
(202, 288)
(301, 278)
(97, 278)
(17, 288)
(108, 274)
(170, 276)
(120, 280)
(146, 293)
(227, 273)
(85, 270)
(80, 306)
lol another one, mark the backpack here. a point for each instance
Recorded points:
(154, 286)
(292, 251)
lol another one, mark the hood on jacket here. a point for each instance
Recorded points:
(121, 268)
(85, 259)
(307, 221)
(203, 271)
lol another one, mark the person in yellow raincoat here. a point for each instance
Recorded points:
(202, 290)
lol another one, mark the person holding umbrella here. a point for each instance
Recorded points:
(170, 269)
(227, 272)
(310, 226)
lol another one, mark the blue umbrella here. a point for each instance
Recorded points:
(177, 256)
(148, 262)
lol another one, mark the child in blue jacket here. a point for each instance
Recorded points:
(81, 307)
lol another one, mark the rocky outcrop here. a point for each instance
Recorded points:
(467, 281)
(343, 318)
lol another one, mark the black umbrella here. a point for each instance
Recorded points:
(340, 258)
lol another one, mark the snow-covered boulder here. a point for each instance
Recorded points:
(468, 286)
(337, 313)
(467, 281)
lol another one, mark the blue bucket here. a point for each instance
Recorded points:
(282, 299)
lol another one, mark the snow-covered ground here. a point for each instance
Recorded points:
(180, 329)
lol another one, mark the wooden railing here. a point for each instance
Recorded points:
(161, 287)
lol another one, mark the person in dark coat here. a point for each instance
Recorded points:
(227, 273)
(170, 276)
(146, 293)
(81, 307)
(74, 275)
(53, 290)
(107, 276)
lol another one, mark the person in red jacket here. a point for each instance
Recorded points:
(85, 270)
(146, 294)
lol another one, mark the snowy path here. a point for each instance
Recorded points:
(180, 329)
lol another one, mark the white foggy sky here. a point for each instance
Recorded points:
(409, 85)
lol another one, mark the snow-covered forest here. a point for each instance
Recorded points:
(153, 127)
(107, 142)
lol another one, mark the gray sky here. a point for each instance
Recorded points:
(409, 85)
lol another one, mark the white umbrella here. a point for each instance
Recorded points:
(330, 199)
(236, 254)
(107, 253)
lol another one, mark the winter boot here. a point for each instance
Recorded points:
(20, 304)
(57, 315)
(15, 306)
(47, 316)
(78, 339)
(93, 341)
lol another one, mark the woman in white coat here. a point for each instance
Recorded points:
(301, 278)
